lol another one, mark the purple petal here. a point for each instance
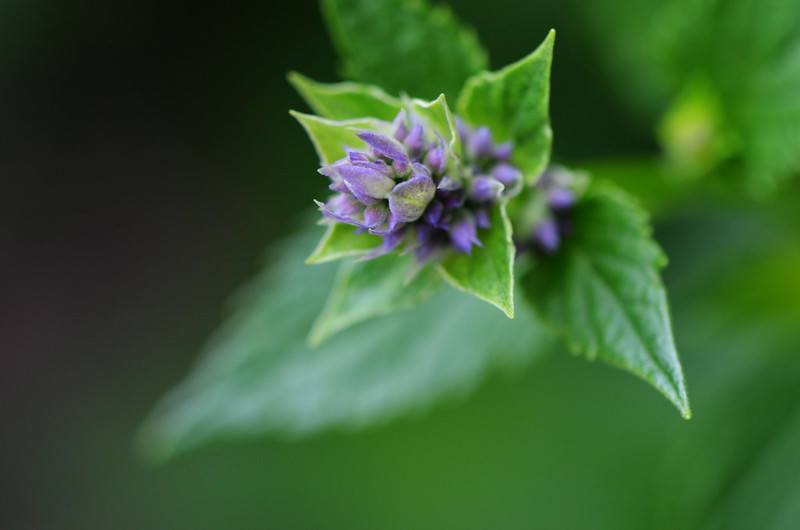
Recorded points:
(391, 240)
(433, 215)
(504, 150)
(384, 146)
(415, 140)
(427, 243)
(408, 200)
(454, 200)
(338, 186)
(507, 174)
(485, 189)
(546, 235)
(365, 183)
(560, 198)
(342, 208)
(375, 215)
(357, 156)
(480, 143)
(399, 126)
(420, 170)
(463, 129)
(482, 218)
(449, 184)
(436, 158)
(377, 165)
(463, 233)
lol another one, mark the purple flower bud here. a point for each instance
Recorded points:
(338, 186)
(463, 130)
(436, 157)
(420, 170)
(375, 215)
(399, 126)
(415, 140)
(463, 233)
(560, 198)
(485, 189)
(365, 183)
(427, 243)
(546, 235)
(356, 156)
(391, 240)
(343, 208)
(448, 184)
(329, 171)
(433, 215)
(384, 146)
(507, 174)
(504, 150)
(401, 167)
(408, 200)
(482, 218)
(454, 200)
(480, 143)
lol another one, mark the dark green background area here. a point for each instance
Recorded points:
(148, 157)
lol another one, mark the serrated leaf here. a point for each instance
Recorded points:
(514, 103)
(341, 241)
(366, 289)
(258, 375)
(403, 45)
(345, 101)
(331, 137)
(603, 292)
(489, 272)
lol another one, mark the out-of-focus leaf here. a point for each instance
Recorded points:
(403, 45)
(603, 292)
(331, 137)
(489, 272)
(258, 375)
(340, 241)
(514, 103)
(747, 54)
(345, 101)
(366, 289)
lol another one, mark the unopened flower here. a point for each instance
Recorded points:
(556, 186)
(407, 186)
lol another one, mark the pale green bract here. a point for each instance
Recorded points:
(489, 272)
(513, 102)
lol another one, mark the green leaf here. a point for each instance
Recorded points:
(403, 45)
(345, 101)
(751, 71)
(437, 116)
(340, 241)
(330, 137)
(489, 272)
(513, 102)
(259, 376)
(366, 289)
(603, 292)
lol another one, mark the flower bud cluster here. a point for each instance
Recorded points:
(408, 187)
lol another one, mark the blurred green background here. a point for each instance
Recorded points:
(148, 158)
